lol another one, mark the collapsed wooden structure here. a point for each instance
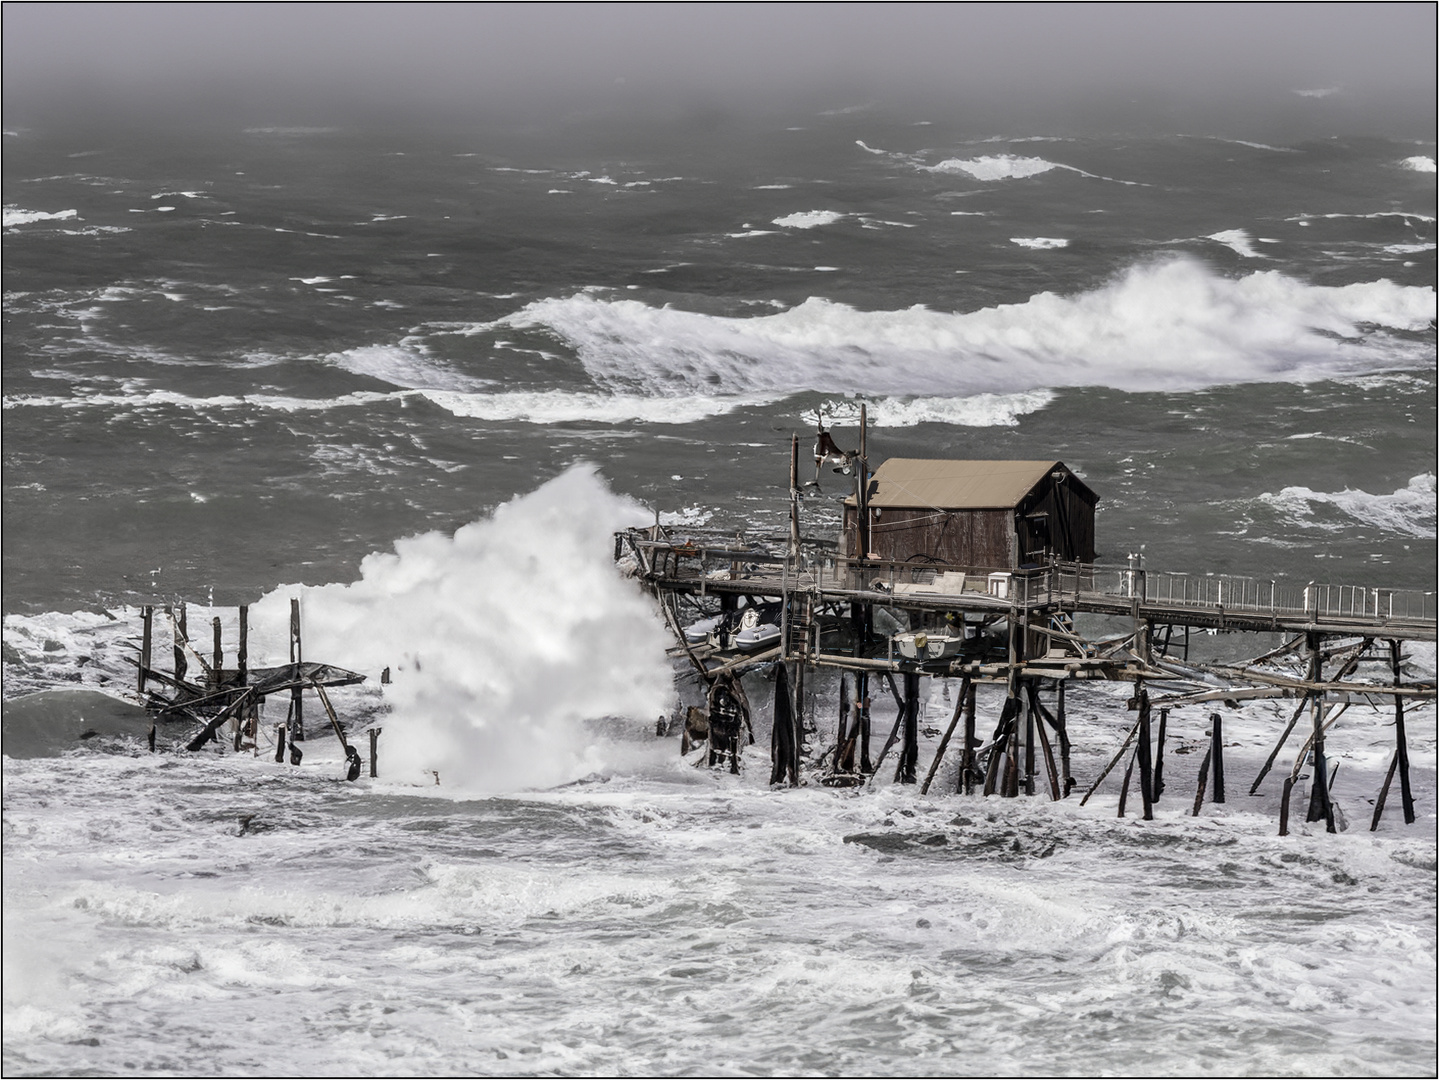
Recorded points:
(1013, 620)
(219, 697)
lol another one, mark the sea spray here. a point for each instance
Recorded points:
(502, 639)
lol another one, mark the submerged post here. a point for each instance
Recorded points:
(181, 635)
(218, 655)
(374, 751)
(1216, 734)
(1146, 774)
(909, 752)
(1159, 756)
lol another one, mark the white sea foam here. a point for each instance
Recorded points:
(809, 219)
(502, 638)
(1172, 324)
(1238, 241)
(409, 367)
(1039, 243)
(12, 216)
(1407, 249)
(565, 407)
(980, 410)
(996, 166)
(1419, 163)
(1409, 511)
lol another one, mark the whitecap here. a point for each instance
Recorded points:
(808, 219)
(1409, 511)
(1419, 163)
(1238, 241)
(12, 216)
(570, 407)
(410, 367)
(978, 410)
(996, 167)
(1040, 243)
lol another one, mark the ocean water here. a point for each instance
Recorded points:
(416, 378)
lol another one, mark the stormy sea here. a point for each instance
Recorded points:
(416, 377)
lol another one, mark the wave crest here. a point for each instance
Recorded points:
(1171, 325)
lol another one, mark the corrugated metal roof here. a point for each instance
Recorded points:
(956, 485)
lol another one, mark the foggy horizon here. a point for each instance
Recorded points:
(1255, 67)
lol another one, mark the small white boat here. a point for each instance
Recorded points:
(697, 633)
(925, 645)
(755, 635)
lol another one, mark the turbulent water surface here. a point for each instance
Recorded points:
(416, 378)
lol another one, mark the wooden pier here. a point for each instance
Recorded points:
(875, 618)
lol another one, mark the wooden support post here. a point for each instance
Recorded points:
(909, 752)
(841, 732)
(297, 699)
(1146, 773)
(1061, 726)
(217, 675)
(861, 694)
(1203, 779)
(147, 618)
(1112, 763)
(374, 751)
(1401, 742)
(1283, 737)
(1159, 756)
(1124, 788)
(1384, 792)
(1040, 719)
(998, 751)
(966, 760)
(181, 637)
(242, 657)
(1216, 738)
(1284, 806)
(944, 742)
(1029, 721)
(279, 743)
(1321, 806)
(782, 730)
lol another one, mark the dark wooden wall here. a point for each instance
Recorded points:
(1053, 518)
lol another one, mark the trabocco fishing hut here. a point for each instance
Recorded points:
(980, 570)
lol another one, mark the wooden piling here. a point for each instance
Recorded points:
(1384, 792)
(1112, 763)
(782, 748)
(297, 698)
(1203, 780)
(1029, 721)
(1061, 727)
(1146, 772)
(1159, 756)
(1401, 742)
(217, 668)
(1124, 787)
(966, 760)
(1040, 718)
(909, 752)
(279, 743)
(181, 637)
(1284, 805)
(147, 616)
(374, 751)
(861, 694)
(948, 732)
(1216, 736)
(242, 655)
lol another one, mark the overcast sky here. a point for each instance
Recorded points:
(63, 56)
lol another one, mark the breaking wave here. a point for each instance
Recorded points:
(809, 219)
(502, 639)
(1169, 325)
(1419, 163)
(407, 367)
(1409, 511)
